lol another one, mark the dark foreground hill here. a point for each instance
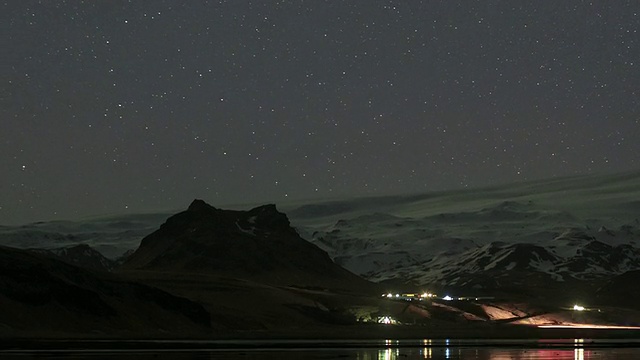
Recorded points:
(258, 245)
(41, 296)
(621, 290)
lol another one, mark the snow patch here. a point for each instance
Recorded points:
(250, 231)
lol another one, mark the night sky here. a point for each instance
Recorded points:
(113, 107)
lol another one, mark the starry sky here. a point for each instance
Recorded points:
(112, 107)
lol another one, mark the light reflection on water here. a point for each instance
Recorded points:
(568, 349)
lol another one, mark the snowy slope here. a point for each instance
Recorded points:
(441, 249)
(111, 236)
(576, 228)
(80, 255)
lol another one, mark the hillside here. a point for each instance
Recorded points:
(45, 297)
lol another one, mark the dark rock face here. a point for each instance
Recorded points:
(256, 244)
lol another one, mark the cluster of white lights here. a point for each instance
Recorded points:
(421, 296)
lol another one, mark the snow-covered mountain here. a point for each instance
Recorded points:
(81, 255)
(111, 236)
(565, 230)
(454, 249)
(557, 230)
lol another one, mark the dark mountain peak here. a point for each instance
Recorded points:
(267, 216)
(603, 229)
(201, 216)
(598, 247)
(267, 208)
(255, 244)
(198, 205)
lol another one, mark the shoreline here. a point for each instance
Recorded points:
(339, 337)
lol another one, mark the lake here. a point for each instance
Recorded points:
(568, 349)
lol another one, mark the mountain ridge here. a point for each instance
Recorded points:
(254, 244)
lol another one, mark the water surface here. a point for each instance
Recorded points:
(567, 349)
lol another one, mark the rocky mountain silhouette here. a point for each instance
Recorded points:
(258, 244)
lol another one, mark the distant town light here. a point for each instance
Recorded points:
(447, 297)
(386, 320)
(578, 307)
